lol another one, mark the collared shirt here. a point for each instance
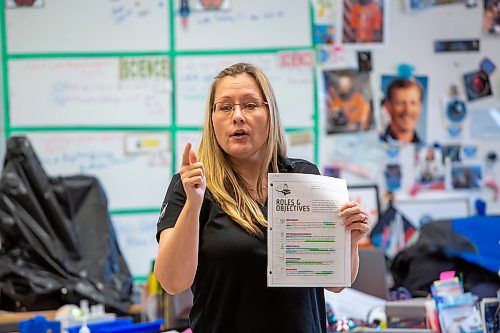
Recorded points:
(230, 287)
(390, 137)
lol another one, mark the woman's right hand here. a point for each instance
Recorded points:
(192, 176)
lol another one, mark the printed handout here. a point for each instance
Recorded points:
(307, 244)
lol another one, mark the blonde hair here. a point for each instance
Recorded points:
(224, 183)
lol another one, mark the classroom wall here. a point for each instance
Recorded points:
(116, 88)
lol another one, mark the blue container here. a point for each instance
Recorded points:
(39, 325)
(97, 327)
(152, 327)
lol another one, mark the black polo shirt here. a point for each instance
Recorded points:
(230, 287)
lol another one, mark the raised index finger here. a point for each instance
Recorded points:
(185, 155)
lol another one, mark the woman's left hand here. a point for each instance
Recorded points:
(356, 220)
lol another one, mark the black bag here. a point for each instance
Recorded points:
(57, 243)
(419, 265)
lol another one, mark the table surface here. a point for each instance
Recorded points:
(15, 317)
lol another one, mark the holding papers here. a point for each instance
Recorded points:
(307, 243)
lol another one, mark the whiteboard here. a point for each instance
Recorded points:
(245, 24)
(131, 180)
(90, 91)
(136, 235)
(180, 143)
(88, 26)
(293, 86)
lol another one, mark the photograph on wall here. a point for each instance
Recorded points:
(363, 22)
(451, 153)
(325, 22)
(466, 177)
(348, 101)
(430, 170)
(477, 85)
(455, 112)
(364, 61)
(323, 34)
(464, 45)
(393, 175)
(490, 174)
(491, 17)
(361, 162)
(404, 109)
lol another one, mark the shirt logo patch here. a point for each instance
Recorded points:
(163, 211)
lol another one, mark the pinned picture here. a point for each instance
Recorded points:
(467, 45)
(477, 85)
(430, 170)
(455, 111)
(323, 34)
(491, 17)
(363, 21)
(364, 61)
(487, 66)
(404, 109)
(451, 153)
(348, 101)
(469, 152)
(490, 177)
(392, 175)
(466, 177)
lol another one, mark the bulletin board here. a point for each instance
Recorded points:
(410, 44)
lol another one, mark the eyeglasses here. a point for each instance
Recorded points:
(247, 107)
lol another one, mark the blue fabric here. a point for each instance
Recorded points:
(483, 232)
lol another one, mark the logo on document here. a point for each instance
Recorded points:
(283, 189)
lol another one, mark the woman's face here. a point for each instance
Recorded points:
(240, 119)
